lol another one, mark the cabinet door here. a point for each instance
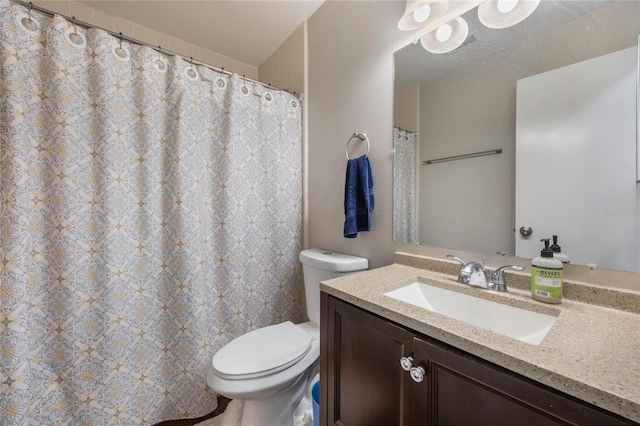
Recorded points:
(460, 389)
(361, 378)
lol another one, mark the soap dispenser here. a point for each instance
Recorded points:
(557, 251)
(546, 276)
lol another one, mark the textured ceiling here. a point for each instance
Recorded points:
(248, 31)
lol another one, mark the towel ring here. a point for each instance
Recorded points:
(362, 137)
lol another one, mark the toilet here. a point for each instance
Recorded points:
(271, 368)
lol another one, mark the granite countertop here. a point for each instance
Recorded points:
(592, 352)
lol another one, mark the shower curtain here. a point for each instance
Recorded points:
(150, 212)
(405, 227)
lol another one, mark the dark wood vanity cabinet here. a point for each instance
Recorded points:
(359, 356)
(363, 383)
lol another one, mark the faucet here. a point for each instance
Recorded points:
(474, 274)
(471, 273)
(496, 282)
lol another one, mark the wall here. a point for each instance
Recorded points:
(285, 67)
(87, 14)
(468, 111)
(405, 108)
(350, 88)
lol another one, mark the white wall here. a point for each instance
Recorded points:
(405, 108)
(285, 67)
(350, 88)
(93, 16)
(468, 203)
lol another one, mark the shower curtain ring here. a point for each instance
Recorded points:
(268, 96)
(244, 89)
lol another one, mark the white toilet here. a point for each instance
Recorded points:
(269, 369)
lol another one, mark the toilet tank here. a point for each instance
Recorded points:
(320, 265)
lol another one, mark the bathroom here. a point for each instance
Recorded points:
(343, 62)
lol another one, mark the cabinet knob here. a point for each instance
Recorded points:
(406, 362)
(417, 374)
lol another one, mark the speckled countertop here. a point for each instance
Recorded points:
(592, 352)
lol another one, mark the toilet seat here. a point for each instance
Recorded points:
(262, 352)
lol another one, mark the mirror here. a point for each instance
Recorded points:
(474, 100)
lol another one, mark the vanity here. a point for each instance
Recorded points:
(387, 358)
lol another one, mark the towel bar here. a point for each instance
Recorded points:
(463, 156)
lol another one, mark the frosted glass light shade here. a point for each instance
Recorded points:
(422, 13)
(444, 33)
(408, 21)
(459, 32)
(491, 16)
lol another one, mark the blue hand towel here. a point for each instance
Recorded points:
(358, 197)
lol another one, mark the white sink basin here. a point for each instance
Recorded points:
(521, 324)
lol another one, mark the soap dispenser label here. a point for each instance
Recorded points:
(547, 283)
(548, 277)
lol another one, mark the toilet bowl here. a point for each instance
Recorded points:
(271, 368)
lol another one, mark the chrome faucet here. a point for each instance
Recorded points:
(471, 273)
(496, 282)
(474, 274)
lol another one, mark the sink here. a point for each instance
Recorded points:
(521, 324)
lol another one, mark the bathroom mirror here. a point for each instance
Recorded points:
(479, 97)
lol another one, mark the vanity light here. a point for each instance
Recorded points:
(447, 37)
(441, 28)
(418, 13)
(500, 14)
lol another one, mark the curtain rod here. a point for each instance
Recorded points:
(121, 36)
(405, 130)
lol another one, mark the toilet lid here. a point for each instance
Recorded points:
(262, 352)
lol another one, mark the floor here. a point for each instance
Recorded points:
(222, 405)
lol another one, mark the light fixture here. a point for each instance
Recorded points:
(447, 37)
(441, 28)
(418, 13)
(500, 14)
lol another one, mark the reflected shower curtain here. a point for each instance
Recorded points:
(405, 227)
(150, 212)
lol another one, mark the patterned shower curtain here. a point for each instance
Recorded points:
(150, 212)
(405, 228)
